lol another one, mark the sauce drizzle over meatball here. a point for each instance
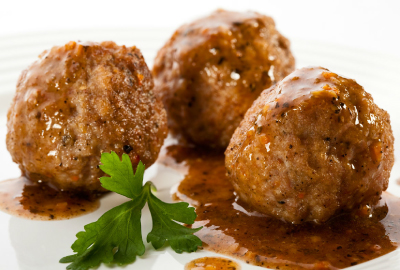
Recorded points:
(210, 71)
(311, 146)
(77, 101)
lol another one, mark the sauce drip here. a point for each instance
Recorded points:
(212, 263)
(38, 201)
(231, 227)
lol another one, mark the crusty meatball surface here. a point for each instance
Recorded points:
(78, 101)
(211, 70)
(311, 146)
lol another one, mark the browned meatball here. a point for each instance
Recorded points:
(78, 101)
(311, 146)
(210, 72)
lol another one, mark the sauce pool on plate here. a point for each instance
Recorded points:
(38, 201)
(231, 227)
(212, 263)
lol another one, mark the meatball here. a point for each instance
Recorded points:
(310, 147)
(210, 71)
(78, 101)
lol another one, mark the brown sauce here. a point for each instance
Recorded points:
(212, 263)
(38, 201)
(231, 227)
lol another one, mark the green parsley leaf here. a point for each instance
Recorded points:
(164, 228)
(116, 237)
(122, 180)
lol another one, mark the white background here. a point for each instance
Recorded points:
(363, 24)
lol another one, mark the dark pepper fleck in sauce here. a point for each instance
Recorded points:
(212, 263)
(38, 201)
(231, 227)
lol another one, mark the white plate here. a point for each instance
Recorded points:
(31, 245)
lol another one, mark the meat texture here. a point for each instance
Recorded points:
(310, 147)
(210, 71)
(78, 101)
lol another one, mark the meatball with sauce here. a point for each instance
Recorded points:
(211, 70)
(310, 147)
(78, 101)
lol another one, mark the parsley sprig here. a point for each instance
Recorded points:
(116, 237)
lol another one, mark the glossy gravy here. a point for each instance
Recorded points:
(38, 201)
(231, 227)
